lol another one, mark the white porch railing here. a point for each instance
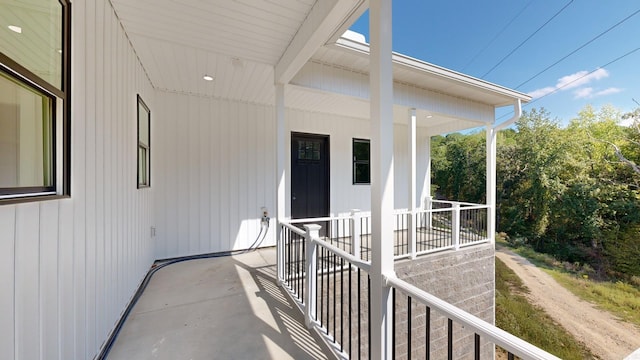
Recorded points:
(443, 225)
(325, 272)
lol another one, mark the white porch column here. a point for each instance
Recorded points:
(381, 87)
(491, 182)
(426, 184)
(427, 179)
(280, 174)
(412, 182)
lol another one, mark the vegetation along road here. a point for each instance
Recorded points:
(606, 336)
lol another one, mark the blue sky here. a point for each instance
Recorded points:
(473, 37)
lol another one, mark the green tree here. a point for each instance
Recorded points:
(459, 166)
(533, 178)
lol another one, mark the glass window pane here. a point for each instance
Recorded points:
(144, 149)
(362, 174)
(31, 35)
(361, 150)
(361, 168)
(143, 123)
(142, 166)
(25, 136)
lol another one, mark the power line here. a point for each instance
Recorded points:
(587, 74)
(579, 48)
(576, 79)
(527, 39)
(497, 35)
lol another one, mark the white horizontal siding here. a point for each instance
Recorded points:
(69, 267)
(214, 164)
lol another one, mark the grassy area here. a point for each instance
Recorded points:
(517, 316)
(620, 298)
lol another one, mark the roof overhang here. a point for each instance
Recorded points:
(421, 74)
(336, 80)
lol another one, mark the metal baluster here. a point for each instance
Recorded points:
(350, 271)
(450, 340)
(327, 270)
(369, 313)
(359, 316)
(321, 294)
(427, 334)
(409, 327)
(393, 324)
(341, 304)
(334, 298)
(477, 347)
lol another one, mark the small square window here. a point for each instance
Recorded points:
(309, 150)
(361, 158)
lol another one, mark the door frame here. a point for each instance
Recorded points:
(327, 151)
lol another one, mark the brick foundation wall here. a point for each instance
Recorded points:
(464, 278)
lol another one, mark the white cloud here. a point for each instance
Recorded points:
(584, 93)
(580, 78)
(572, 81)
(542, 92)
(588, 93)
(608, 91)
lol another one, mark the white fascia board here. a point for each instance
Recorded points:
(353, 17)
(323, 20)
(424, 67)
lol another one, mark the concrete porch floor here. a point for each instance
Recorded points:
(220, 308)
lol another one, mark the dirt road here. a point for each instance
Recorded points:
(606, 336)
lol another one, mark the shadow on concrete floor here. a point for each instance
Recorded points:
(219, 308)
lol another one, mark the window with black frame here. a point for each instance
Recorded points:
(361, 158)
(144, 144)
(34, 99)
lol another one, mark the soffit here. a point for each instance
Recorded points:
(241, 43)
(257, 31)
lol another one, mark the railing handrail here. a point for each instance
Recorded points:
(433, 211)
(463, 203)
(295, 229)
(318, 219)
(473, 207)
(364, 265)
(467, 206)
(496, 335)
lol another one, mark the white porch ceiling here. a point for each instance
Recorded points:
(253, 30)
(241, 43)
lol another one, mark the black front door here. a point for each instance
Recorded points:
(309, 176)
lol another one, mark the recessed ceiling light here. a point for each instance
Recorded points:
(208, 77)
(59, 51)
(429, 116)
(14, 28)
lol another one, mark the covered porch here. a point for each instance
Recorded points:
(328, 90)
(227, 85)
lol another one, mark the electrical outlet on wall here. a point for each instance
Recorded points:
(265, 215)
(153, 231)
